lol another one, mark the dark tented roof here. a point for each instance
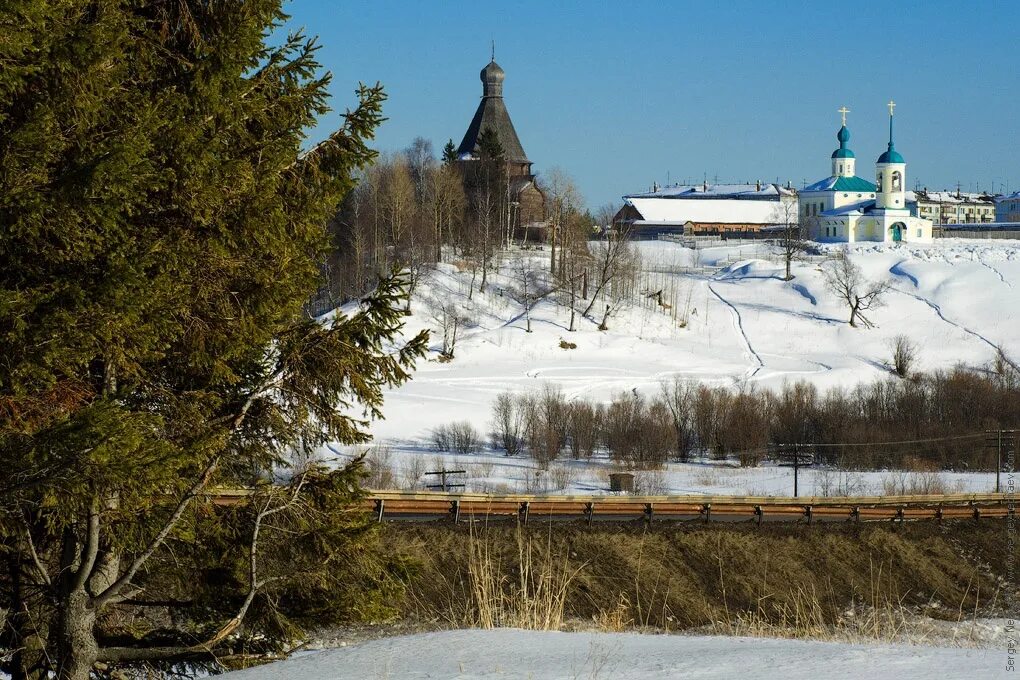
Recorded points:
(492, 113)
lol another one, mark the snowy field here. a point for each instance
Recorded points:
(955, 298)
(553, 655)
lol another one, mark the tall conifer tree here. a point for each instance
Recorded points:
(160, 230)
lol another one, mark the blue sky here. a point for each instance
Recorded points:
(623, 94)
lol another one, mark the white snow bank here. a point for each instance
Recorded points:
(530, 654)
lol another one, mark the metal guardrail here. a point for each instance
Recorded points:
(411, 506)
(419, 506)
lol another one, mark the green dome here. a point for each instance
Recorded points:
(843, 151)
(891, 156)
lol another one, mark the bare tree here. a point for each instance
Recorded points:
(791, 238)
(614, 266)
(509, 420)
(564, 201)
(445, 203)
(450, 319)
(678, 397)
(530, 285)
(847, 282)
(904, 354)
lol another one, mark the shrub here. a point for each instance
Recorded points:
(379, 465)
(440, 437)
(584, 428)
(509, 418)
(904, 354)
(464, 438)
(546, 427)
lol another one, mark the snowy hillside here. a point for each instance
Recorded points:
(530, 654)
(956, 299)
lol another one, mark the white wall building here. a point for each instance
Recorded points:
(1007, 208)
(846, 208)
(707, 209)
(951, 207)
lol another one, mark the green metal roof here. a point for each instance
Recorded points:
(891, 156)
(843, 153)
(853, 184)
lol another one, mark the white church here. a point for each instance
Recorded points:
(847, 208)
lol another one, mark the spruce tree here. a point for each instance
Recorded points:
(160, 230)
(449, 153)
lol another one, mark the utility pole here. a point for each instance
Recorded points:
(995, 438)
(784, 455)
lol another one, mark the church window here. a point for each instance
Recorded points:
(918, 233)
(897, 181)
(879, 180)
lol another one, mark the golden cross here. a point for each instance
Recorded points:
(892, 105)
(844, 111)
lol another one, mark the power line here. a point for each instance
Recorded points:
(905, 441)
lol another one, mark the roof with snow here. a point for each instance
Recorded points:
(946, 196)
(838, 183)
(858, 208)
(754, 192)
(1010, 197)
(719, 211)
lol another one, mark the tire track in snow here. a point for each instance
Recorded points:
(995, 271)
(938, 310)
(738, 324)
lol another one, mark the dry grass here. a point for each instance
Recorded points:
(708, 477)
(923, 483)
(562, 476)
(866, 582)
(881, 616)
(532, 595)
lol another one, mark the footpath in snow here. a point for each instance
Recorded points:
(507, 653)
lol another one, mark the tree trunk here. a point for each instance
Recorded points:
(77, 649)
(552, 256)
(573, 302)
(28, 640)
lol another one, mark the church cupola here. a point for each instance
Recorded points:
(492, 80)
(891, 173)
(843, 160)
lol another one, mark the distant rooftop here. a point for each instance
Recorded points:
(947, 196)
(761, 192)
(839, 183)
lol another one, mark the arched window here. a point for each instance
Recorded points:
(897, 181)
(879, 181)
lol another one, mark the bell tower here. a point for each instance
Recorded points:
(891, 174)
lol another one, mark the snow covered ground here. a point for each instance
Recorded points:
(551, 655)
(955, 298)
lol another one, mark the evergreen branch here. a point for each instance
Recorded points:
(110, 594)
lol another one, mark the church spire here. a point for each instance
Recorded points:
(891, 155)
